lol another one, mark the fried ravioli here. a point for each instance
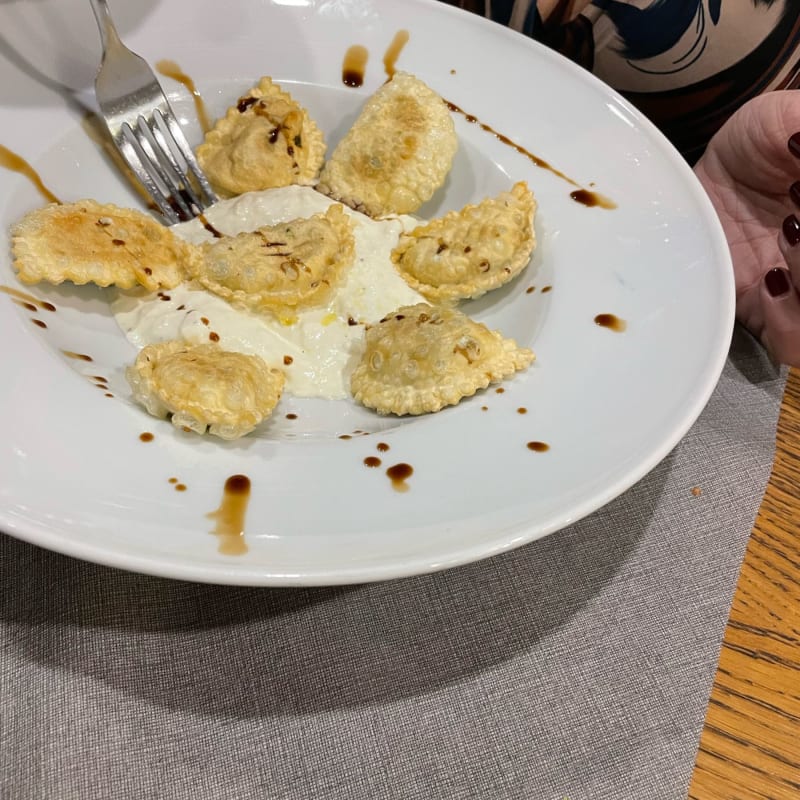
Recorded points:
(280, 268)
(397, 153)
(89, 242)
(205, 387)
(421, 358)
(266, 140)
(469, 252)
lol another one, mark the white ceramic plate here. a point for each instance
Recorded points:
(74, 475)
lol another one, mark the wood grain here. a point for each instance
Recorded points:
(750, 745)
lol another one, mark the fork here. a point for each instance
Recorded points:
(144, 129)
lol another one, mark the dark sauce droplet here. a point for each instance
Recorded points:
(393, 53)
(580, 195)
(484, 408)
(77, 356)
(230, 515)
(180, 487)
(209, 227)
(173, 480)
(237, 485)
(146, 437)
(351, 77)
(39, 322)
(592, 199)
(287, 360)
(372, 461)
(27, 301)
(354, 66)
(291, 416)
(398, 475)
(530, 290)
(522, 410)
(611, 321)
(245, 103)
(534, 159)
(538, 447)
(214, 336)
(16, 163)
(171, 70)
(546, 289)
(382, 447)
(499, 390)
(345, 436)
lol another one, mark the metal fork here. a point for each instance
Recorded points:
(144, 129)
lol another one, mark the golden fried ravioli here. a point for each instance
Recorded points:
(87, 242)
(467, 253)
(283, 267)
(205, 387)
(421, 358)
(266, 140)
(397, 153)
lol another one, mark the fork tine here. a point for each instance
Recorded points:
(131, 151)
(152, 172)
(158, 164)
(169, 148)
(184, 149)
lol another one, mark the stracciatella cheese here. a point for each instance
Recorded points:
(318, 347)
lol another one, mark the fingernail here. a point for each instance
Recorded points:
(791, 230)
(794, 144)
(794, 193)
(777, 282)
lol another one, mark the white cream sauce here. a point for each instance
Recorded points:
(319, 347)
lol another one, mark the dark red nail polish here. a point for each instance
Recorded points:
(791, 230)
(794, 193)
(777, 282)
(794, 144)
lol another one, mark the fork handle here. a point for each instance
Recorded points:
(108, 33)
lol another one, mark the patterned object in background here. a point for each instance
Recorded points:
(687, 64)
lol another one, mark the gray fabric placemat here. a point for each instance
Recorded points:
(578, 666)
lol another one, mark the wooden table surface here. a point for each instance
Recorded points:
(750, 745)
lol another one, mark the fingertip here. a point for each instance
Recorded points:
(780, 304)
(777, 282)
(791, 230)
(789, 245)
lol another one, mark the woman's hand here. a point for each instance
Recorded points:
(751, 171)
